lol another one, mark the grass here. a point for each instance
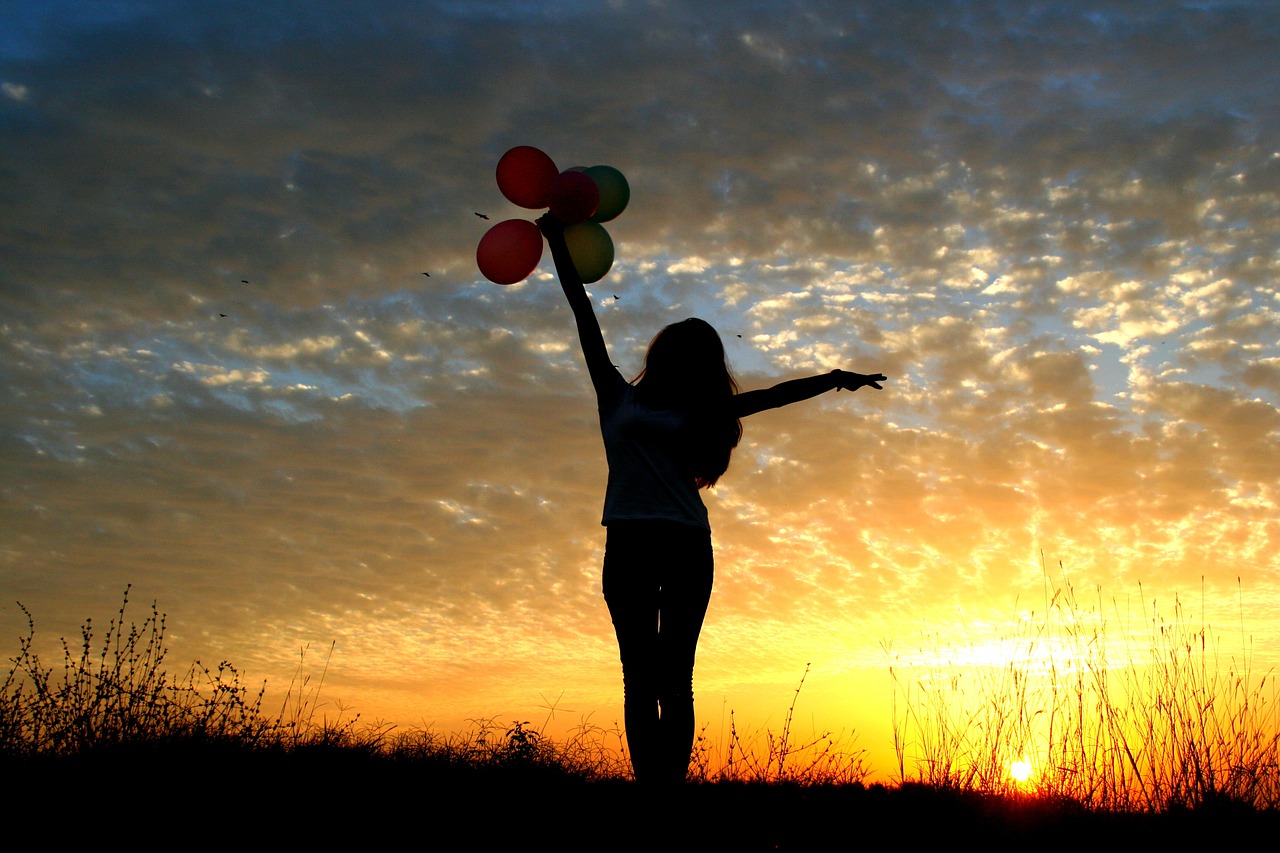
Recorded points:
(114, 690)
(109, 730)
(1163, 722)
(823, 758)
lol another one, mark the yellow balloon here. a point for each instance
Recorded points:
(591, 250)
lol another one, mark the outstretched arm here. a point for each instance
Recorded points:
(604, 377)
(795, 390)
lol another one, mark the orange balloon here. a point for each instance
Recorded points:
(525, 176)
(509, 251)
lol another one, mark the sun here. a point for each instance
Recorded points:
(1020, 770)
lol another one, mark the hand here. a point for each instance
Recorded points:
(854, 381)
(551, 226)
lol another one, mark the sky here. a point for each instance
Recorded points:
(228, 383)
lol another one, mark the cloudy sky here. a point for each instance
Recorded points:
(227, 382)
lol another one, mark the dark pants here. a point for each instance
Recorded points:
(657, 582)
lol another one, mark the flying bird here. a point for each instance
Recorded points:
(427, 274)
(481, 215)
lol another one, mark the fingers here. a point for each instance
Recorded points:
(854, 381)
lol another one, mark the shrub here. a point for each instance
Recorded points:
(116, 690)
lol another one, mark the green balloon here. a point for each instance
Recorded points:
(591, 250)
(614, 192)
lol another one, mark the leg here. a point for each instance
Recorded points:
(631, 592)
(685, 593)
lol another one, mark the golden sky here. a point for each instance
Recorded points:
(227, 381)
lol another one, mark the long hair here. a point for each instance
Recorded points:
(685, 370)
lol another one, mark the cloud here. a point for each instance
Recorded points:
(228, 381)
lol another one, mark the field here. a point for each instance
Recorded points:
(1165, 739)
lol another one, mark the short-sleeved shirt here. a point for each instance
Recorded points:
(646, 478)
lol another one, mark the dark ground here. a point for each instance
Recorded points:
(206, 796)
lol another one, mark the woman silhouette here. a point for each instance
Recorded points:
(667, 434)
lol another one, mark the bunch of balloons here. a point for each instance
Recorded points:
(580, 197)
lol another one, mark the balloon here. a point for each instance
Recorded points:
(614, 192)
(591, 250)
(509, 251)
(525, 176)
(573, 198)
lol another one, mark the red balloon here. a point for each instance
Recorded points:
(509, 251)
(574, 197)
(525, 176)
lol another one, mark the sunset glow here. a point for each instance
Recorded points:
(250, 366)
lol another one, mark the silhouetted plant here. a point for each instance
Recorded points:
(116, 690)
(1165, 728)
(822, 759)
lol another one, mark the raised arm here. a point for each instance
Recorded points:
(795, 390)
(604, 377)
